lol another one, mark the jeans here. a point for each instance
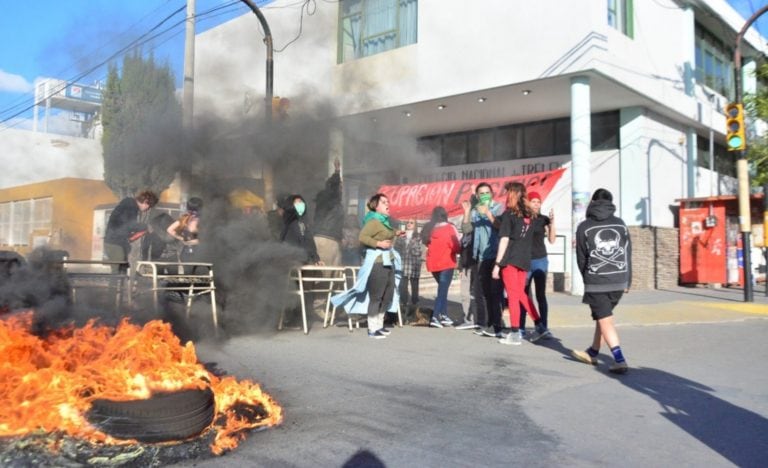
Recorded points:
(538, 273)
(443, 279)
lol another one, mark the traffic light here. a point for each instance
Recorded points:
(735, 136)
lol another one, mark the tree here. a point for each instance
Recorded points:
(757, 148)
(142, 126)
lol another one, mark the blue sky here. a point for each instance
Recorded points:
(72, 38)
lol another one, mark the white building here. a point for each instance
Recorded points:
(507, 85)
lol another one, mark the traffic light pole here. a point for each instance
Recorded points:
(745, 221)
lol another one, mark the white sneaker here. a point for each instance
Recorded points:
(435, 323)
(467, 326)
(445, 320)
(513, 338)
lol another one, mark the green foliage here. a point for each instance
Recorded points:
(142, 126)
(757, 148)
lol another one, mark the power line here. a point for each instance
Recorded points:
(22, 100)
(141, 40)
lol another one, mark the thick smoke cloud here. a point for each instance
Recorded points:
(251, 267)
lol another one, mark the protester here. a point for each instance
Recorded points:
(604, 256)
(410, 248)
(442, 241)
(541, 227)
(296, 231)
(329, 219)
(157, 244)
(185, 230)
(126, 224)
(513, 260)
(482, 220)
(375, 291)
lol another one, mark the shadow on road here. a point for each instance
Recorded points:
(735, 433)
(364, 459)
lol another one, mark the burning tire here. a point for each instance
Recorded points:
(161, 418)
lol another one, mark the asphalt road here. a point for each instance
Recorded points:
(696, 393)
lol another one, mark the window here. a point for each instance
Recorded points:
(19, 218)
(714, 66)
(621, 16)
(454, 149)
(480, 147)
(527, 140)
(605, 131)
(724, 160)
(367, 27)
(505, 146)
(538, 139)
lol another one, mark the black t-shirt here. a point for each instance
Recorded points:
(520, 235)
(538, 226)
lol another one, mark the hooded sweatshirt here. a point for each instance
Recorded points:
(603, 249)
(296, 232)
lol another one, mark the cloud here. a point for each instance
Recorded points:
(14, 83)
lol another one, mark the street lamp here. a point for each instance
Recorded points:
(266, 167)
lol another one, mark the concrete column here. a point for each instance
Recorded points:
(581, 150)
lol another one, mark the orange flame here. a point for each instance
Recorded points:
(49, 383)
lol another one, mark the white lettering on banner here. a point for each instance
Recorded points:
(492, 170)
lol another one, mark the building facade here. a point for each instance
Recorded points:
(57, 214)
(625, 94)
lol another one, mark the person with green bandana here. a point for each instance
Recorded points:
(376, 289)
(483, 221)
(296, 231)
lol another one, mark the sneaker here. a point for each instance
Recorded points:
(385, 331)
(467, 326)
(435, 323)
(377, 335)
(512, 338)
(539, 334)
(491, 331)
(583, 356)
(619, 368)
(445, 320)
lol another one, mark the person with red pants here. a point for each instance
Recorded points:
(513, 260)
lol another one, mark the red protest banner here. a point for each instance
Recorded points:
(418, 200)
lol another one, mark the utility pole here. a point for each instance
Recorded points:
(745, 214)
(189, 67)
(188, 96)
(266, 168)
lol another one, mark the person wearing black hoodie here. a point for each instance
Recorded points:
(296, 230)
(604, 256)
(329, 219)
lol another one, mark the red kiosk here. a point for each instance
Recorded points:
(710, 241)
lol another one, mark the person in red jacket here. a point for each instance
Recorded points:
(442, 240)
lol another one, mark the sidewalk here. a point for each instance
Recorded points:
(651, 307)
